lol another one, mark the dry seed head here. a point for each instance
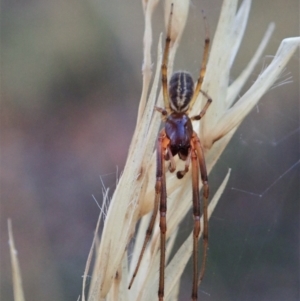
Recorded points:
(131, 191)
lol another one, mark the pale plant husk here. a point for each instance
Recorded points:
(134, 195)
(16, 271)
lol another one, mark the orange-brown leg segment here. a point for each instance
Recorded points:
(203, 111)
(164, 66)
(196, 215)
(160, 183)
(161, 172)
(204, 179)
(170, 157)
(181, 173)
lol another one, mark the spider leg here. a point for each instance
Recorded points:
(164, 66)
(169, 156)
(160, 183)
(161, 174)
(203, 64)
(204, 179)
(203, 111)
(163, 111)
(181, 173)
(196, 215)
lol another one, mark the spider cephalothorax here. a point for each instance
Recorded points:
(179, 130)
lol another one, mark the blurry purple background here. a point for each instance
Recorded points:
(71, 82)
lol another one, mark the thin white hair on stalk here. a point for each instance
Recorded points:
(284, 78)
(102, 215)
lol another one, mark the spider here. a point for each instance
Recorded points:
(178, 138)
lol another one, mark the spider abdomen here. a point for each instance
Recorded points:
(181, 89)
(179, 130)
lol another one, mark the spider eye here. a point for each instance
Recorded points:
(181, 89)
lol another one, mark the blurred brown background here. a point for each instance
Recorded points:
(71, 82)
